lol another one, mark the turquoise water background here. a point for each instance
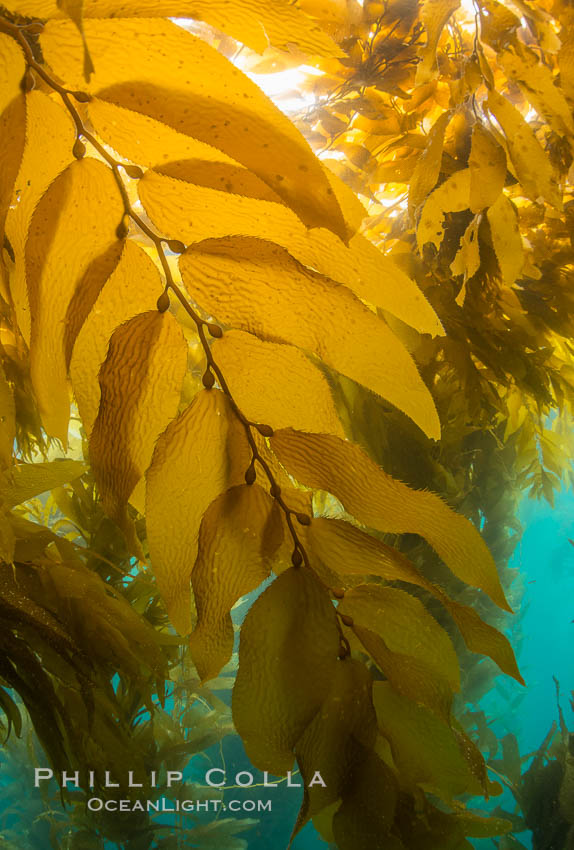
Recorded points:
(543, 635)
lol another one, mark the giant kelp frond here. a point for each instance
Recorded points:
(245, 348)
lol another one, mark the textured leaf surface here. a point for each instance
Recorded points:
(213, 169)
(506, 239)
(74, 9)
(27, 480)
(45, 156)
(257, 287)
(200, 94)
(339, 743)
(7, 537)
(255, 23)
(484, 638)
(7, 421)
(408, 674)
(381, 502)
(427, 169)
(451, 196)
(407, 644)
(12, 68)
(13, 135)
(34, 8)
(535, 79)
(193, 212)
(487, 163)
(405, 626)
(349, 552)
(133, 286)
(252, 370)
(59, 255)
(566, 62)
(332, 742)
(200, 455)
(424, 749)
(434, 14)
(467, 260)
(239, 534)
(368, 809)
(533, 168)
(152, 143)
(476, 827)
(12, 121)
(287, 660)
(140, 384)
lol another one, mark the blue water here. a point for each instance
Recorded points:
(546, 631)
(541, 633)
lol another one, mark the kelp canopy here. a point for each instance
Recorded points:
(322, 347)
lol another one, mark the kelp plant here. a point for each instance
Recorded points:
(275, 382)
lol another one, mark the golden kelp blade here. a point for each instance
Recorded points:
(45, 157)
(451, 196)
(74, 9)
(148, 142)
(240, 532)
(434, 14)
(58, 255)
(151, 143)
(467, 259)
(12, 130)
(93, 610)
(200, 455)
(12, 119)
(428, 166)
(369, 806)
(536, 81)
(287, 659)
(332, 741)
(257, 287)
(406, 627)
(201, 94)
(133, 287)
(506, 240)
(7, 421)
(195, 212)
(533, 168)
(251, 367)
(353, 555)
(12, 68)
(424, 748)
(34, 8)
(255, 23)
(13, 135)
(484, 638)
(140, 383)
(381, 502)
(487, 163)
(408, 675)
(28, 480)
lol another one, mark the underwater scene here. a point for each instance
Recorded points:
(524, 731)
(286, 424)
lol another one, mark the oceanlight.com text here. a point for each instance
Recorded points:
(163, 806)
